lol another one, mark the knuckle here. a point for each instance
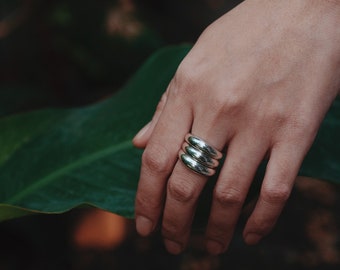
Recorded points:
(156, 160)
(276, 113)
(229, 105)
(275, 194)
(145, 203)
(172, 229)
(262, 226)
(181, 191)
(225, 107)
(277, 118)
(185, 73)
(302, 127)
(186, 81)
(219, 231)
(217, 235)
(228, 196)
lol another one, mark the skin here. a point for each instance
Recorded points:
(257, 84)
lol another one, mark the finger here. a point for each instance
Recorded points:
(242, 160)
(143, 136)
(183, 189)
(158, 160)
(282, 169)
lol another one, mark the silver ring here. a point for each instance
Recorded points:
(200, 156)
(203, 146)
(194, 165)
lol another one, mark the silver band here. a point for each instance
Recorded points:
(194, 165)
(200, 156)
(203, 146)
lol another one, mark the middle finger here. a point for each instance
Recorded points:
(243, 158)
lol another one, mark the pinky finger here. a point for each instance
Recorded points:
(278, 182)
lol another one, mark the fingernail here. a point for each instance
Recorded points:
(214, 247)
(173, 247)
(142, 131)
(252, 238)
(144, 225)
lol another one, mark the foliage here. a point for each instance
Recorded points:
(56, 159)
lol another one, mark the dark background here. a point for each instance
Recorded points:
(71, 53)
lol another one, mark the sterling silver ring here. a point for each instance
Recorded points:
(194, 165)
(199, 156)
(203, 146)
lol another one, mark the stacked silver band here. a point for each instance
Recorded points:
(199, 156)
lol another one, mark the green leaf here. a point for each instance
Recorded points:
(54, 160)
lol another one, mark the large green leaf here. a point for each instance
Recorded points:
(54, 160)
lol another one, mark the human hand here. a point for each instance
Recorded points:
(257, 84)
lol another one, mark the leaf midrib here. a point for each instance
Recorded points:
(63, 170)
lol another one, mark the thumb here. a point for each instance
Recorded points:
(142, 137)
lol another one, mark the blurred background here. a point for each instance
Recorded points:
(71, 53)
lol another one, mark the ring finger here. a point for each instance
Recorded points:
(183, 189)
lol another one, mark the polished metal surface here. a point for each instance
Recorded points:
(200, 144)
(194, 165)
(200, 156)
